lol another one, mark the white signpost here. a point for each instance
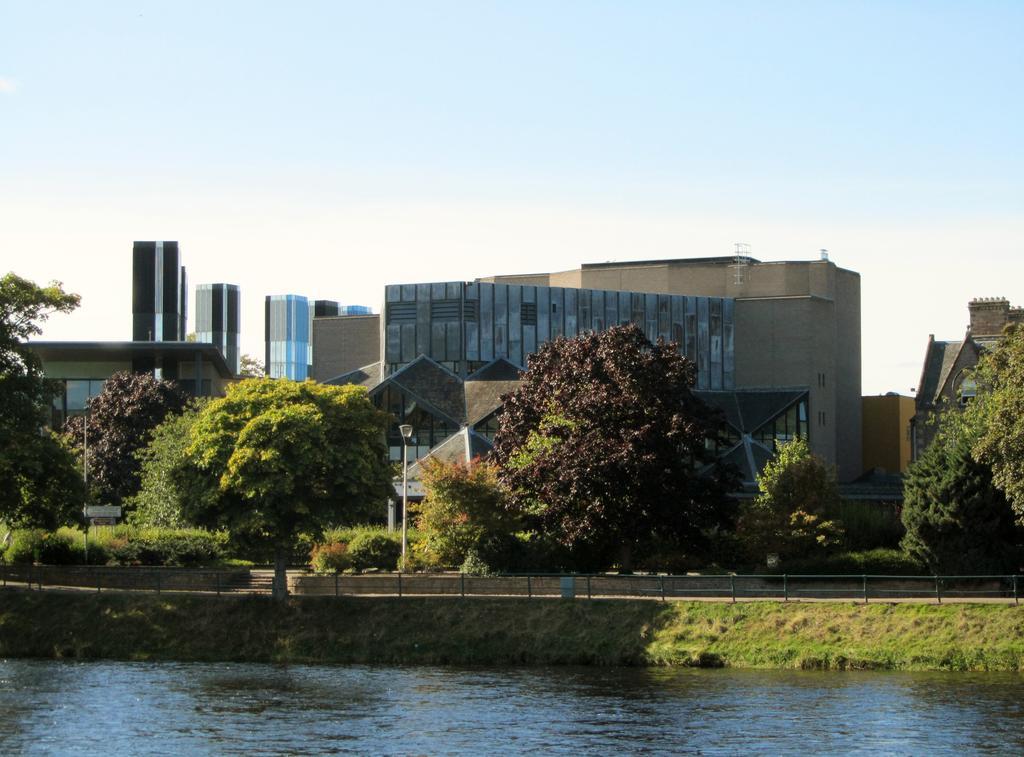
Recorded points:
(103, 515)
(415, 488)
(103, 511)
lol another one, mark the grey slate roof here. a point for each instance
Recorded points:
(746, 410)
(937, 363)
(485, 388)
(497, 370)
(465, 403)
(368, 376)
(460, 447)
(437, 388)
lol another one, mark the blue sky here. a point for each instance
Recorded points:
(329, 148)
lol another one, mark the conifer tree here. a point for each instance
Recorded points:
(957, 521)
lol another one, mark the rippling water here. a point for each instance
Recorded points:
(187, 708)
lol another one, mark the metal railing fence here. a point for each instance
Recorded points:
(728, 587)
(725, 587)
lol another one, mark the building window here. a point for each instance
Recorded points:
(428, 430)
(72, 398)
(784, 427)
(968, 390)
(728, 438)
(488, 427)
(528, 313)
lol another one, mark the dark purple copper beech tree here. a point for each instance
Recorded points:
(602, 447)
(121, 421)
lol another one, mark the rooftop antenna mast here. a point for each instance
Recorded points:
(740, 262)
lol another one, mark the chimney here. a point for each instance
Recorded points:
(989, 315)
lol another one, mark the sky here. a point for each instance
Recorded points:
(330, 148)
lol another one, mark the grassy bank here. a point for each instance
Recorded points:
(504, 632)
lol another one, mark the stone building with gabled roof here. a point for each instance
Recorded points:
(946, 380)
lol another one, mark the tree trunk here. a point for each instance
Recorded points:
(626, 558)
(280, 574)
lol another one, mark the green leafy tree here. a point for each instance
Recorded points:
(39, 484)
(50, 491)
(602, 447)
(121, 420)
(250, 367)
(996, 415)
(463, 511)
(276, 458)
(956, 519)
(790, 515)
(160, 502)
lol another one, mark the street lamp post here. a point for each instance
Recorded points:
(406, 431)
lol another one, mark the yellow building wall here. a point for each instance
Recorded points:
(886, 432)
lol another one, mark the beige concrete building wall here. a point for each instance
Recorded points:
(787, 342)
(218, 384)
(847, 350)
(344, 343)
(523, 279)
(633, 278)
(80, 369)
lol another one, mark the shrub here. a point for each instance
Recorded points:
(463, 509)
(185, 548)
(789, 516)
(375, 550)
(330, 558)
(502, 552)
(868, 524)
(125, 552)
(122, 545)
(474, 565)
(170, 547)
(24, 549)
(58, 549)
(878, 562)
(99, 554)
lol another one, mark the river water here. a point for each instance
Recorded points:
(106, 708)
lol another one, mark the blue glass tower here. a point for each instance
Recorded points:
(287, 336)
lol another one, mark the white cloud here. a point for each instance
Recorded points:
(7, 86)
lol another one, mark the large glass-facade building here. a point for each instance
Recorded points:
(287, 335)
(217, 319)
(466, 325)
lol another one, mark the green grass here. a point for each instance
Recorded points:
(512, 632)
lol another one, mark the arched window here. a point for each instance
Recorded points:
(968, 389)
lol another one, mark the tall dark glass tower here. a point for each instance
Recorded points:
(322, 308)
(159, 293)
(217, 319)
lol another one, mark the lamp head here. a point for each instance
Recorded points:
(406, 431)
